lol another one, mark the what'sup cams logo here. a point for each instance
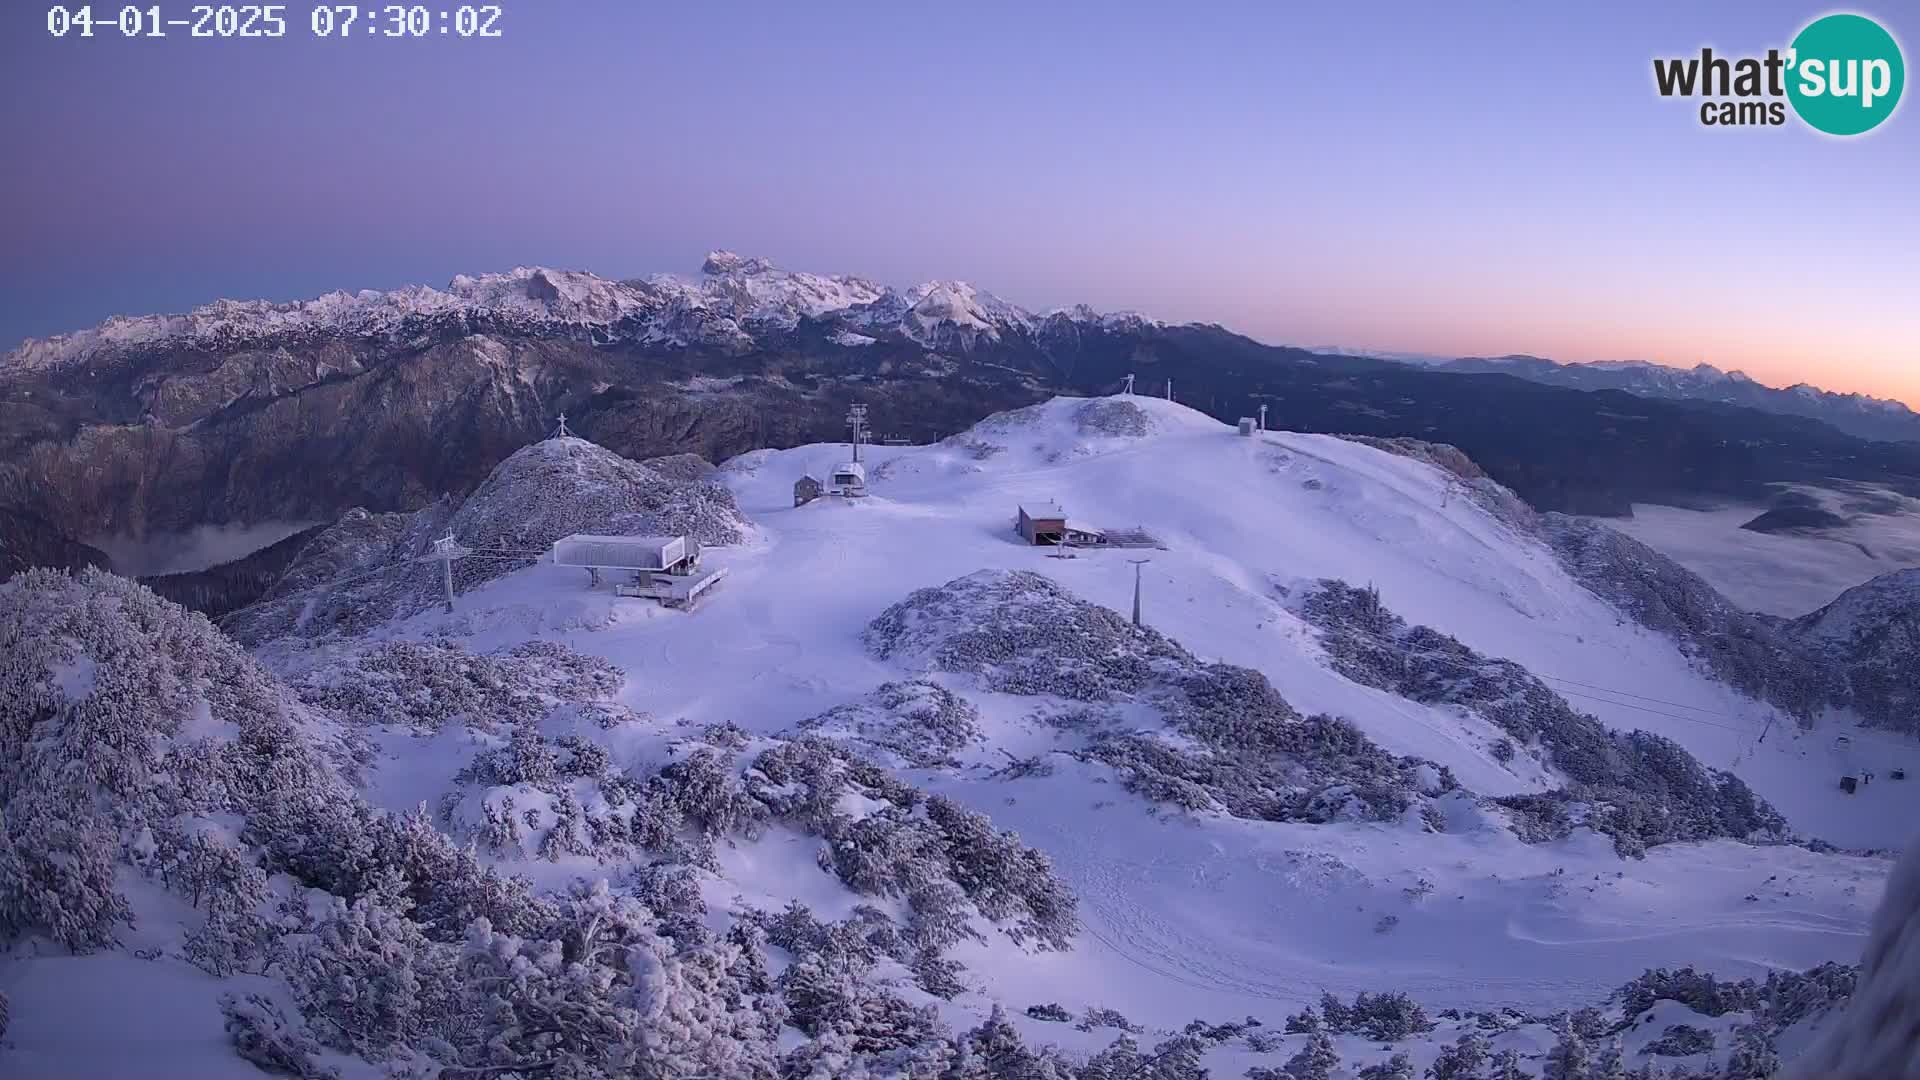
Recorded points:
(1842, 75)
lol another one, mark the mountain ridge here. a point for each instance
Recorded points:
(252, 412)
(1862, 415)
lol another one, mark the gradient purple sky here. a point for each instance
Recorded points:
(1472, 179)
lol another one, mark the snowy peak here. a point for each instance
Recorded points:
(735, 303)
(1868, 610)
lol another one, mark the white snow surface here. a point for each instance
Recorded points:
(1185, 916)
(1210, 916)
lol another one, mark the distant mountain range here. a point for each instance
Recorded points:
(248, 412)
(1855, 414)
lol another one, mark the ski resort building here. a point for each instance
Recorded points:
(1042, 523)
(805, 490)
(663, 568)
(849, 480)
(1246, 426)
(1046, 523)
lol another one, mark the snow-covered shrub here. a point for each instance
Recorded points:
(1397, 1067)
(829, 992)
(1022, 634)
(1569, 1059)
(427, 685)
(709, 793)
(120, 712)
(1052, 1011)
(335, 842)
(261, 1033)
(1680, 1040)
(1385, 1017)
(1314, 1061)
(1642, 789)
(1099, 1017)
(1699, 991)
(601, 994)
(920, 723)
(1010, 882)
(1461, 1059)
(1232, 744)
(1112, 417)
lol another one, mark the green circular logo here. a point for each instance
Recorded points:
(1844, 74)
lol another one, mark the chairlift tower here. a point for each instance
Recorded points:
(444, 551)
(857, 421)
(1263, 416)
(1129, 387)
(1137, 564)
(561, 431)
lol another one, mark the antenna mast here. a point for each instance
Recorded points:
(1129, 390)
(1169, 389)
(1263, 416)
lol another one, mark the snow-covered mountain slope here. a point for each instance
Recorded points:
(710, 756)
(1871, 636)
(733, 299)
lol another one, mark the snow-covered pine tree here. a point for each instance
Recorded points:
(1460, 1060)
(1570, 1058)
(1314, 1061)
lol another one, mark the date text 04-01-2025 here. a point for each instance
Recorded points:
(272, 21)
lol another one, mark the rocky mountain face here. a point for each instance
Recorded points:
(1856, 414)
(1870, 636)
(246, 412)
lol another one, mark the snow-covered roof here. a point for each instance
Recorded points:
(1048, 509)
(852, 468)
(652, 543)
(1090, 530)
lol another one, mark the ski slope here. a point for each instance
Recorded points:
(1184, 916)
(1216, 916)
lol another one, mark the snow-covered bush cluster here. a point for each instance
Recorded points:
(366, 570)
(1230, 742)
(916, 723)
(557, 487)
(1022, 634)
(127, 724)
(1749, 652)
(1112, 417)
(1387, 1017)
(429, 685)
(682, 468)
(1639, 788)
